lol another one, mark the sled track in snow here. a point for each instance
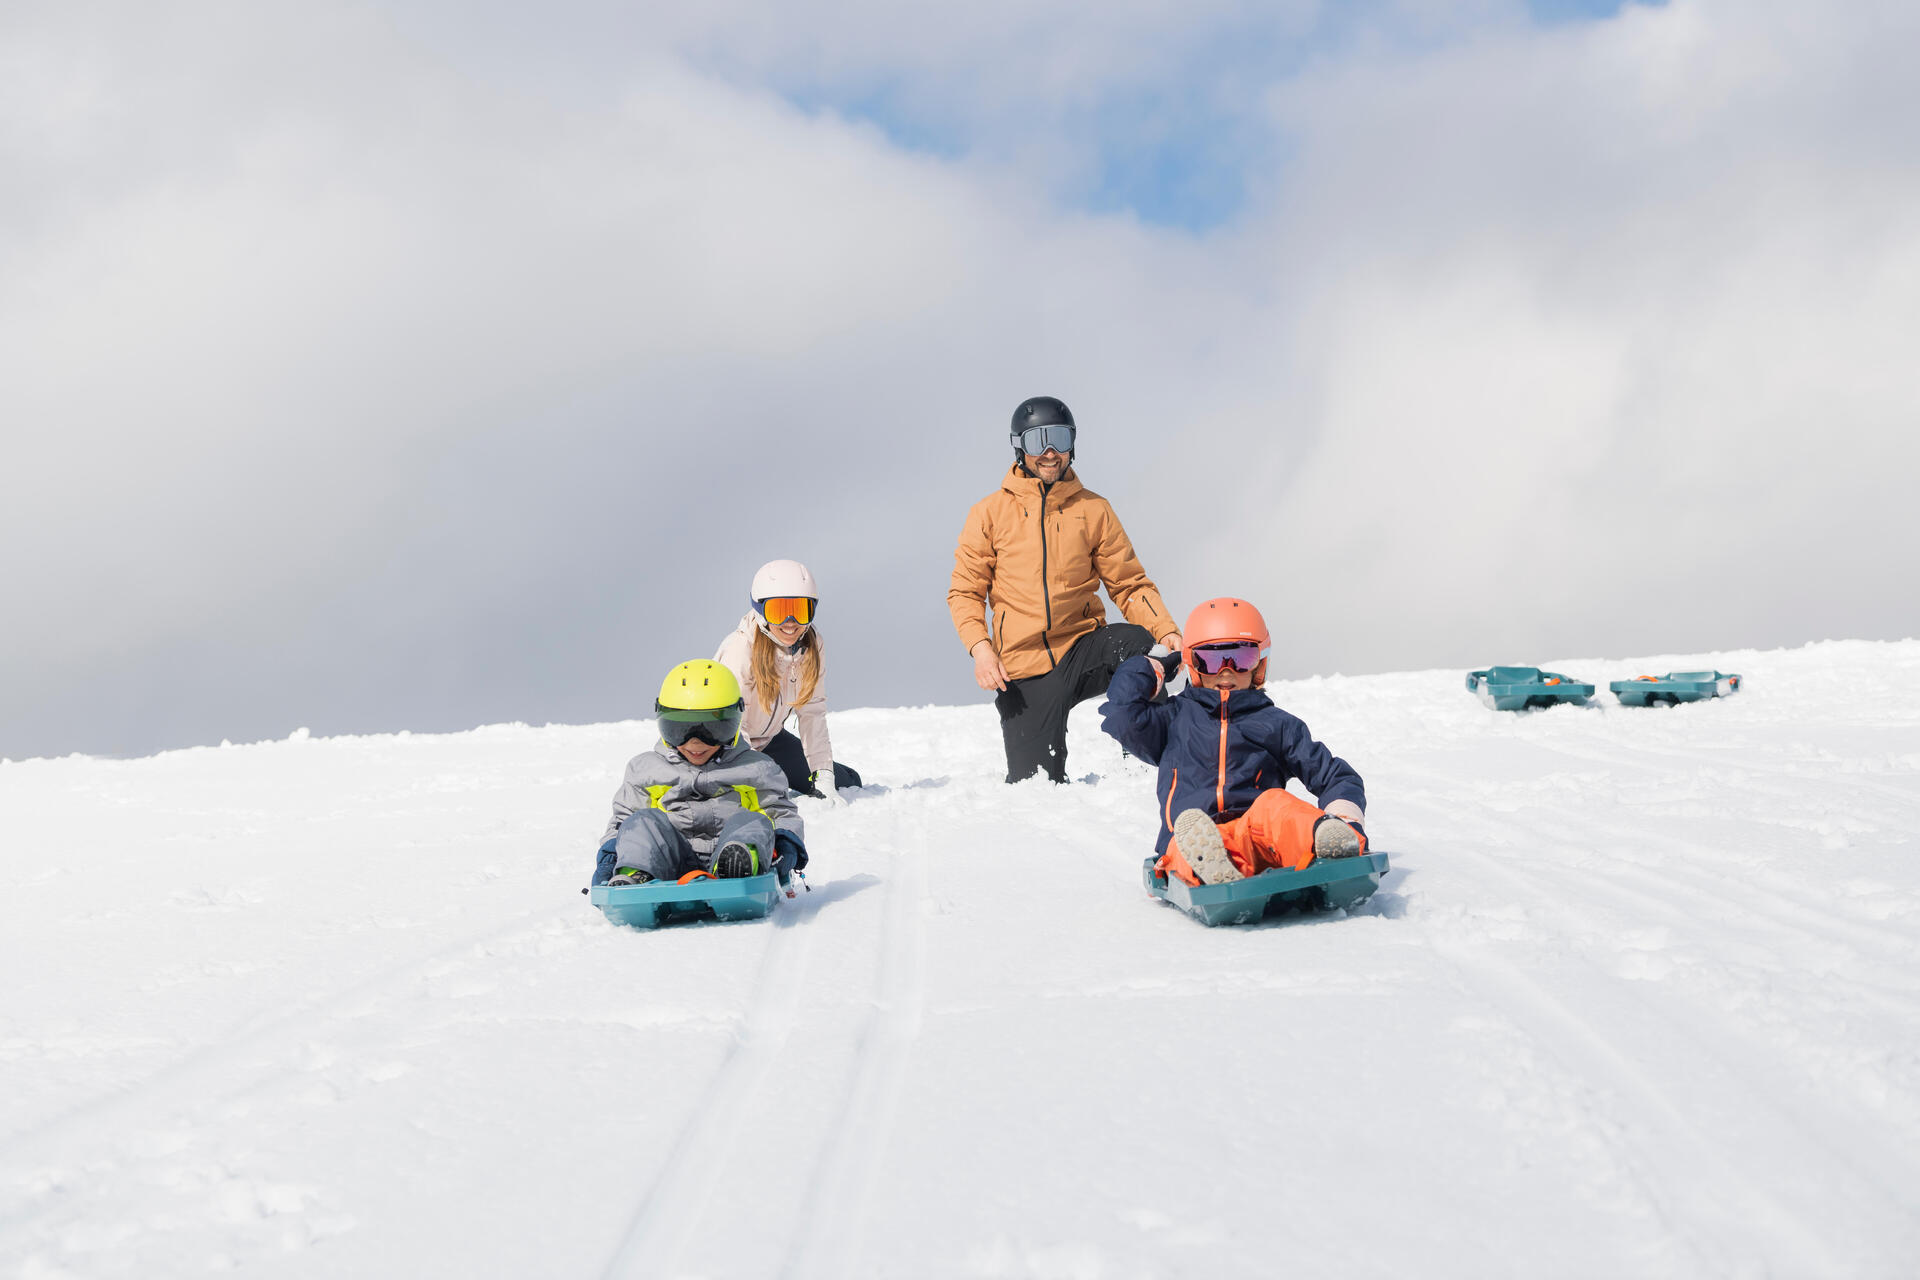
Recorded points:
(1825, 1111)
(1708, 872)
(660, 1229)
(196, 1077)
(839, 1170)
(1703, 871)
(1677, 1159)
(841, 1186)
(1665, 1165)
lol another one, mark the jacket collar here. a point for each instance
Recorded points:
(1021, 485)
(726, 754)
(1238, 703)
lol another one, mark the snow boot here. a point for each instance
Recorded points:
(736, 861)
(1200, 844)
(631, 875)
(1333, 838)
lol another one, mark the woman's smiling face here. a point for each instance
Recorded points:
(789, 632)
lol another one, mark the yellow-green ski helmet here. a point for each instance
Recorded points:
(700, 699)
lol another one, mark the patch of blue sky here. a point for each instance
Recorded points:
(1185, 151)
(1179, 165)
(910, 127)
(1555, 12)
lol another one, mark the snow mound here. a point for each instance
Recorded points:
(1640, 997)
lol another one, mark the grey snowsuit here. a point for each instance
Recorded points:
(669, 816)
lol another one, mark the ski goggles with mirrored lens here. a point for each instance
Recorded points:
(1212, 659)
(716, 726)
(1035, 441)
(779, 609)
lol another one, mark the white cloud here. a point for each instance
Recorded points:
(421, 384)
(1600, 343)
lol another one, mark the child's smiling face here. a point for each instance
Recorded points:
(696, 753)
(1226, 678)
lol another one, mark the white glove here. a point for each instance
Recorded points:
(823, 783)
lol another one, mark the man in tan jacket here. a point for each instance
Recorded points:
(1031, 561)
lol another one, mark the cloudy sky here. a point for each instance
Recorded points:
(422, 364)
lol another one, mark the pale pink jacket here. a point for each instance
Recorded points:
(760, 724)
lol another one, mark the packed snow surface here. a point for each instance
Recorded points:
(1640, 996)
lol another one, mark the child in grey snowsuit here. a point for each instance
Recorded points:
(702, 799)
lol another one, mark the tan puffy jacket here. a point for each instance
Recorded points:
(1043, 588)
(759, 724)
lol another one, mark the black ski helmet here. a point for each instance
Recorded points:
(1038, 411)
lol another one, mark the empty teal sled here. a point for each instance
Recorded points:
(648, 906)
(1675, 686)
(1511, 688)
(1323, 885)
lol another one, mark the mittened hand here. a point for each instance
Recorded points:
(1167, 667)
(790, 850)
(1168, 660)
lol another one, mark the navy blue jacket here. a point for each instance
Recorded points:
(1263, 747)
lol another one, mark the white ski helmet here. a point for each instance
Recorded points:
(783, 578)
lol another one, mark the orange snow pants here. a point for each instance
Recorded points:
(1276, 832)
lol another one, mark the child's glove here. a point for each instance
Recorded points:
(788, 849)
(1167, 664)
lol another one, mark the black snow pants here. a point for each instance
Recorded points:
(786, 751)
(1033, 711)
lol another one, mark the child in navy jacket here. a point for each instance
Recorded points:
(1226, 754)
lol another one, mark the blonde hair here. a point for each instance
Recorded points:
(766, 676)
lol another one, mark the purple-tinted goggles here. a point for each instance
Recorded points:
(1212, 659)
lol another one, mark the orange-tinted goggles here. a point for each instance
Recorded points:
(779, 609)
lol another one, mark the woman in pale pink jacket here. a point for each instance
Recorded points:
(775, 654)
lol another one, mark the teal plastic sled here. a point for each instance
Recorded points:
(1675, 686)
(648, 906)
(1323, 885)
(1511, 688)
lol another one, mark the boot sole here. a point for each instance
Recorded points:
(735, 862)
(1200, 844)
(1333, 838)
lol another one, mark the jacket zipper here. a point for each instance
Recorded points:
(1220, 792)
(1046, 591)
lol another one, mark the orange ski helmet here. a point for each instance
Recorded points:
(1223, 620)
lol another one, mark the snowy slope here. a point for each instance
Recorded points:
(1641, 997)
